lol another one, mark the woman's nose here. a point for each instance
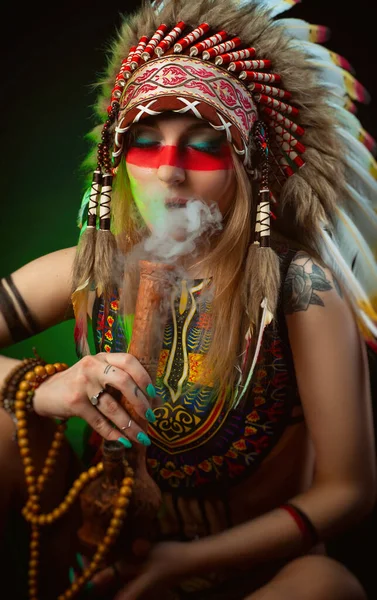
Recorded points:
(170, 170)
(171, 174)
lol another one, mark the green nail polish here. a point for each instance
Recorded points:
(151, 391)
(150, 416)
(126, 443)
(80, 561)
(71, 575)
(143, 438)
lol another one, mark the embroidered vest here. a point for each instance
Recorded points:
(200, 445)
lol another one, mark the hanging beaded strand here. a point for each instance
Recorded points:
(31, 379)
(94, 195)
(26, 387)
(262, 224)
(105, 165)
(102, 176)
(105, 245)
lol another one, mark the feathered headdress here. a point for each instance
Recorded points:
(285, 102)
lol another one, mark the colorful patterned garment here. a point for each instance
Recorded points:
(200, 445)
(201, 448)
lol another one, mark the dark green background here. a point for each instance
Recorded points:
(46, 108)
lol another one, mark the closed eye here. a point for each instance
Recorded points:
(212, 147)
(144, 142)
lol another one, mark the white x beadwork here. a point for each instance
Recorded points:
(189, 106)
(226, 125)
(146, 110)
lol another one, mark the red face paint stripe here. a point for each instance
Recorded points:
(188, 158)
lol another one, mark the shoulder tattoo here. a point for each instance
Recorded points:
(20, 322)
(304, 278)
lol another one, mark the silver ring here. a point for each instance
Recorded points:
(129, 425)
(95, 399)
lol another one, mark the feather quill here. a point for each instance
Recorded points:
(79, 300)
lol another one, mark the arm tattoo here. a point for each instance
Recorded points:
(300, 286)
(20, 322)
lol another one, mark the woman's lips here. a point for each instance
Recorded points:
(176, 202)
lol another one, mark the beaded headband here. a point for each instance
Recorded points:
(185, 85)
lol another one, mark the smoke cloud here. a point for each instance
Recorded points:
(179, 232)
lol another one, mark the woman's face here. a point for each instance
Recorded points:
(173, 159)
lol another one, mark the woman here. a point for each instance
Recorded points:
(259, 416)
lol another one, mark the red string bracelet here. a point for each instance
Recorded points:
(308, 531)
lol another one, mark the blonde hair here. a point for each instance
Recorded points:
(239, 271)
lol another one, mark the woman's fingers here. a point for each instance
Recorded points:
(92, 388)
(129, 364)
(130, 380)
(97, 421)
(126, 427)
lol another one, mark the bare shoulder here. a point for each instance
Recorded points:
(38, 292)
(309, 283)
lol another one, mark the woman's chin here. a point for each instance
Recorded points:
(179, 235)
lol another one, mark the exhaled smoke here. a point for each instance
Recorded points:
(177, 236)
(179, 232)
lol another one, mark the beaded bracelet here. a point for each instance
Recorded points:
(33, 379)
(308, 531)
(23, 380)
(10, 386)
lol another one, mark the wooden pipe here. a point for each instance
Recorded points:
(150, 314)
(156, 281)
(98, 499)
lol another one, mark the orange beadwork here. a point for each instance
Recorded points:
(119, 514)
(35, 484)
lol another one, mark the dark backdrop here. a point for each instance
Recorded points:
(50, 55)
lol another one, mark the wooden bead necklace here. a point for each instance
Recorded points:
(31, 511)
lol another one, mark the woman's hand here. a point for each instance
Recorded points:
(67, 394)
(167, 564)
